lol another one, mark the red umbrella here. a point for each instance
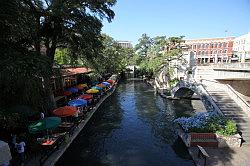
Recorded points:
(65, 111)
(86, 97)
(110, 81)
(67, 93)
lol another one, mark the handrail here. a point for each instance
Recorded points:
(244, 105)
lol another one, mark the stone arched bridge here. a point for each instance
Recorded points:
(183, 90)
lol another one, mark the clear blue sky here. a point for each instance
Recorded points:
(191, 18)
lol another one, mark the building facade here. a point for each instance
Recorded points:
(211, 50)
(125, 44)
(241, 47)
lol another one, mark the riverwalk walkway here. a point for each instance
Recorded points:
(223, 156)
(54, 157)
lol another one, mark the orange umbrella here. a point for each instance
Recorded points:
(65, 111)
(81, 86)
(101, 85)
(110, 81)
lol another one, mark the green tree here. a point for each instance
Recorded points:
(112, 58)
(145, 42)
(62, 56)
(160, 53)
(35, 27)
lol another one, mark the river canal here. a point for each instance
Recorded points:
(134, 127)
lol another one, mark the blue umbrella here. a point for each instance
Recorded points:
(96, 87)
(77, 102)
(106, 83)
(72, 90)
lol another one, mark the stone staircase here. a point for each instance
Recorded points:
(230, 109)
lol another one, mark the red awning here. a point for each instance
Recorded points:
(74, 71)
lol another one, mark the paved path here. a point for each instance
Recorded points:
(223, 156)
(227, 156)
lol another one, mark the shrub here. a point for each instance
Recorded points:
(207, 122)
(229, 128)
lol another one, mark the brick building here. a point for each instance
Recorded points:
(211, 50)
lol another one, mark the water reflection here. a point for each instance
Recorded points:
(133, 127)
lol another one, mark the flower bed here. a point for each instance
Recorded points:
(208, 129)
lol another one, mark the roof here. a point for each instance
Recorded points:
(74, 71)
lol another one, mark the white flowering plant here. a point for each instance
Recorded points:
(206, 122)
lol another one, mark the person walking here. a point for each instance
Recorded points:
(20, 150)
(41, 115)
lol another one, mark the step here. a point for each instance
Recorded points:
(237, 116)
(228, 107)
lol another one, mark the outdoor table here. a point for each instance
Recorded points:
(66, 125)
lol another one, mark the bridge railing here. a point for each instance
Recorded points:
(242, 66)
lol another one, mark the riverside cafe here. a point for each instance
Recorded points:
(68, 78)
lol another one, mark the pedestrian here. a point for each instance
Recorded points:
(13, 142)
(20, 146)
(41, 115)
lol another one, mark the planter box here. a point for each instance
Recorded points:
(194, 139)
(208, 139)
(229, 141)
(203, 139)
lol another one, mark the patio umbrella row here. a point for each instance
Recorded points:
(51, 123)
(75, 89)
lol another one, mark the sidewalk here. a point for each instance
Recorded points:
(223, 156)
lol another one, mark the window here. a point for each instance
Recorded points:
(202, 52)
(212, 45)
(194, 46)
(216, 45)
(211, 52)
(220, 45)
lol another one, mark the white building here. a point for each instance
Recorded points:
(241, 47)
(125, 44)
